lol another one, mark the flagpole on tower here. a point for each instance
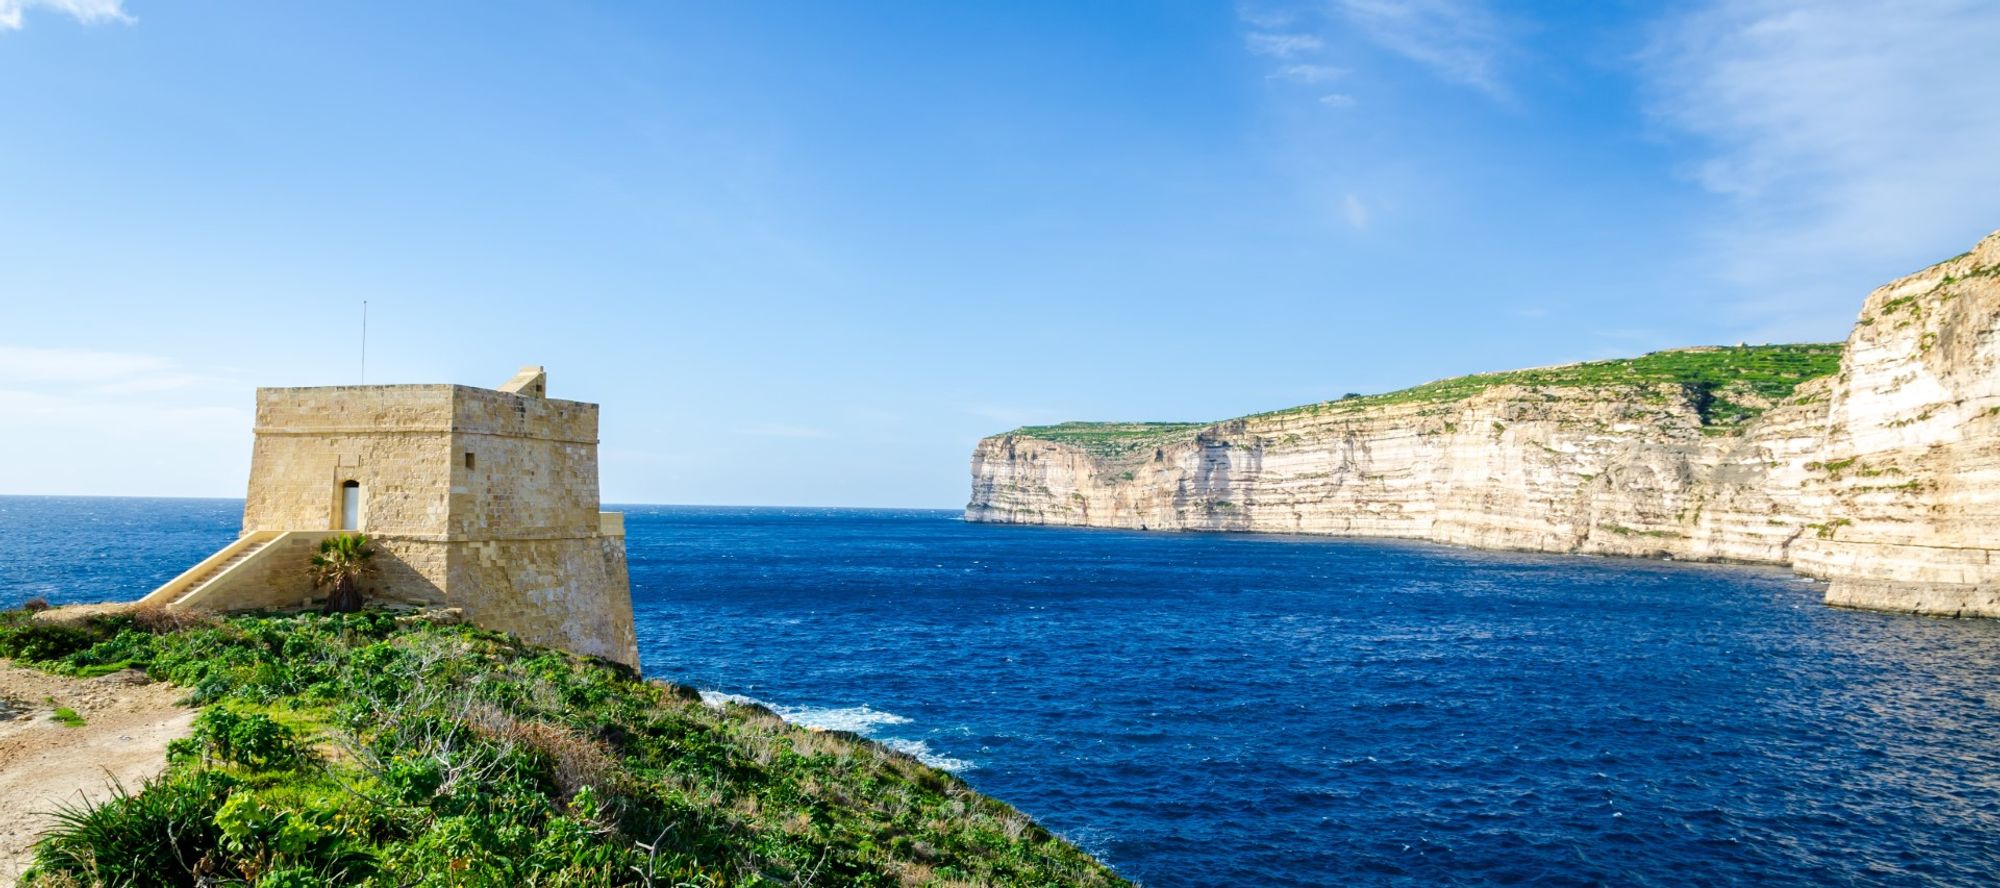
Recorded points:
(364, 342)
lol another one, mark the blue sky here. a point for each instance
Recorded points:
(810, 253)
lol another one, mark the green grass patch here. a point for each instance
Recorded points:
(1763, 372)
(1114, 439)
(1726, 385)
(66, 717)
(360, 750)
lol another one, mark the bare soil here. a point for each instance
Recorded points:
(128, 720)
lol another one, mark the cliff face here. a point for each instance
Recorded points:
(1879, 473)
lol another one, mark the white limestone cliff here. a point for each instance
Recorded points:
(1882, 478)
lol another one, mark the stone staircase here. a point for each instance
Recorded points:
(200, 578)
(243, 554)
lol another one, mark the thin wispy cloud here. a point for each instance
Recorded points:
(1840, 133)
(1355, 212)
(1309, 73)
(1267, 17)
(89, 12)
(99, 370)
(1283, 46)
(75, 382)
(76, 402)
(1460, 41)
(1297, 57)
(59, 416)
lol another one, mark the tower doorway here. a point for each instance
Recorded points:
(350, 505)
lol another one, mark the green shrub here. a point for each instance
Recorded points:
(465, 757)
(26, 638)
(157, 836)
(253, 740)
(308, 845)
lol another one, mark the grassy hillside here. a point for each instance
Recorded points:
(1729, 385)
(363, 749)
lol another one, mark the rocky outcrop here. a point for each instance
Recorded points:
(1880, 473)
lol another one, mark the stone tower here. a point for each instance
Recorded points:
(480, 499)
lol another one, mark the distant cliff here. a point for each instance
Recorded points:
(1874, 465)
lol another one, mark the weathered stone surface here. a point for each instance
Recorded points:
(1883, 479)
(481, 500)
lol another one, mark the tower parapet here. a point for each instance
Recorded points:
(480, 499)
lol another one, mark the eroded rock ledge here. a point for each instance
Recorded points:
(1874, 465)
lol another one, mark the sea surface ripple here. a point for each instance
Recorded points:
(1263, 710)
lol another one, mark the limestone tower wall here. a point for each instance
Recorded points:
(481, 499)
(395, 441)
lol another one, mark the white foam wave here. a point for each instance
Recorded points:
(864, 720)
(922, 752)
(857, 719)
(719, 699)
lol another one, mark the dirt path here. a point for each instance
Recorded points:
(128, 720)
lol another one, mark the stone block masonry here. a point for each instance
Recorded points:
(480, 499)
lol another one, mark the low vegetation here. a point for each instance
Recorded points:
(339, 566)
(1114, 438)
(1726, 385)
(362, 748)
(1752, 373)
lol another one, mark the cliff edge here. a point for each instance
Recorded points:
(370, 749)
(1874, 465)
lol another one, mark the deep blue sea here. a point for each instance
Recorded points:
(1261, 710)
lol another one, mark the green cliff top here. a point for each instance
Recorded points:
(364, 749)
(1769, 372)
(1113, 438)
(1731, 385)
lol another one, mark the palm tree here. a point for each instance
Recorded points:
(341, 563)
